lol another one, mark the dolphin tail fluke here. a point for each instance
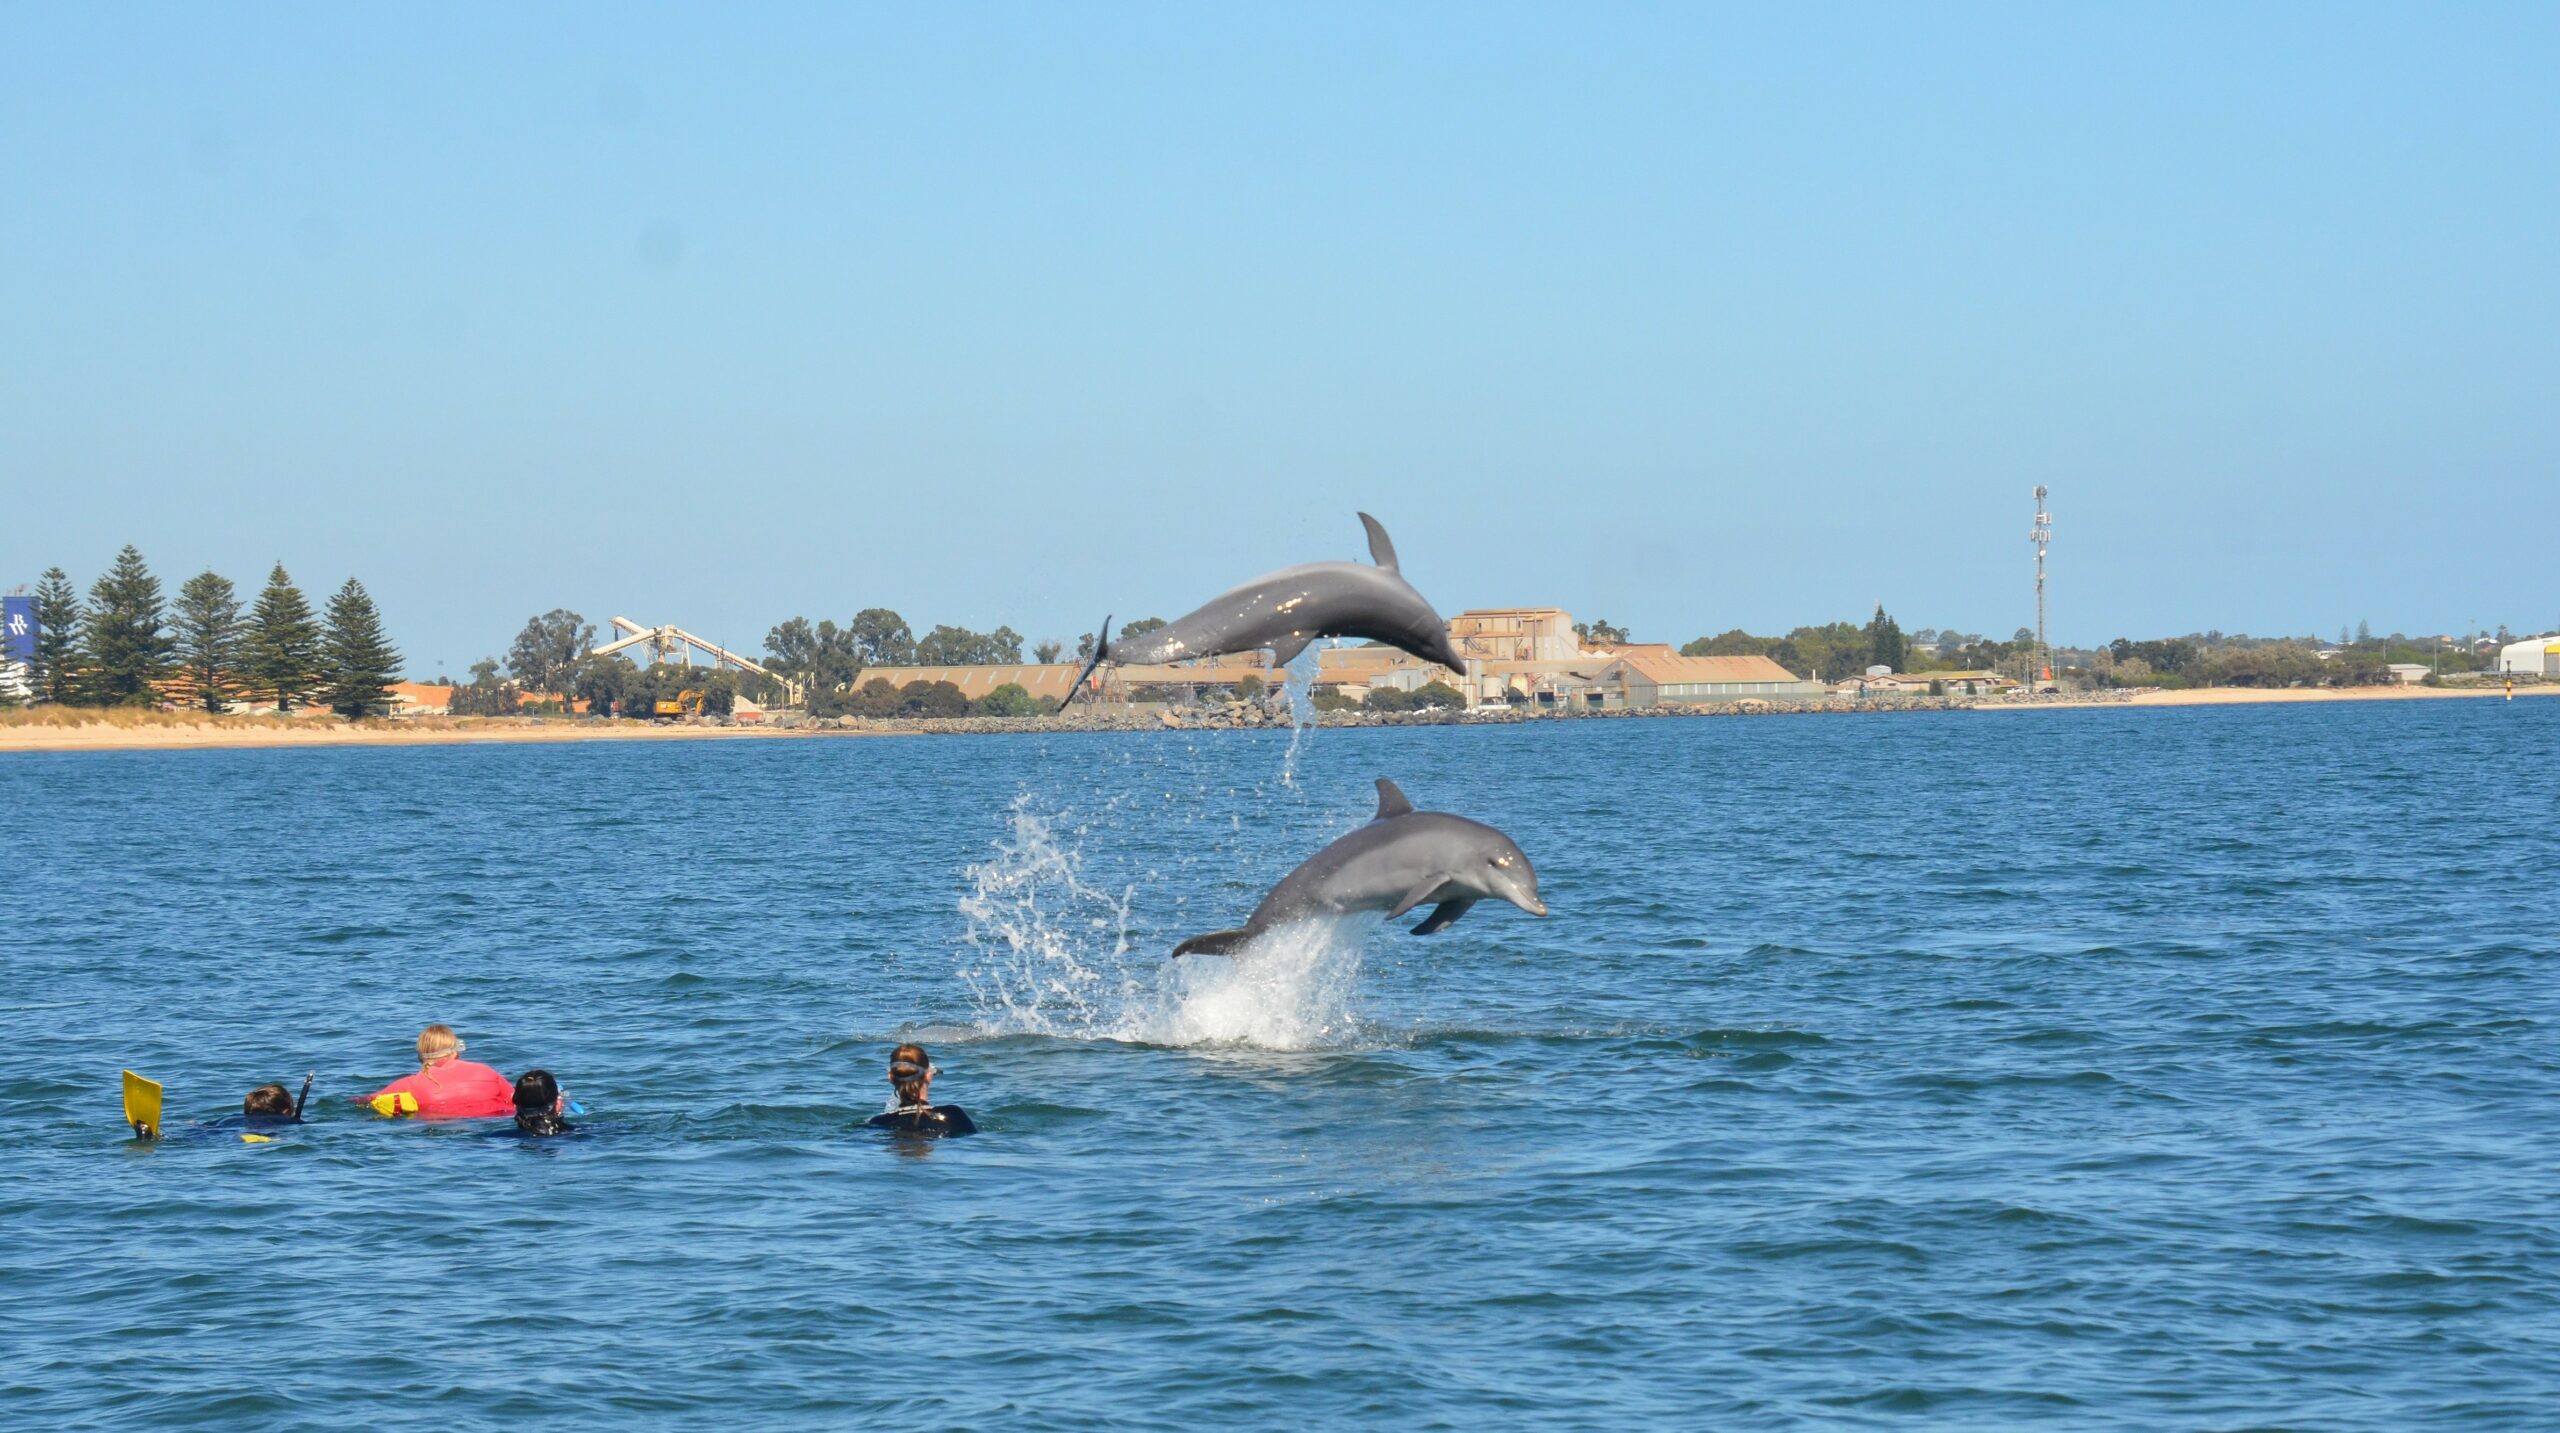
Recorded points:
(1101, 653)
(1216, 942)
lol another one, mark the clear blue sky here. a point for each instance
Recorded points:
(1687, 317)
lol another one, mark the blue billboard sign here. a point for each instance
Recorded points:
(17, 629)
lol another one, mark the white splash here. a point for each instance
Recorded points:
(1049, 954)
(1289, 990)
(1299, 686)
(1046, 948)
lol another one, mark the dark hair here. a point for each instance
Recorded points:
(909, 1068)
(536, 1092)
(268, 1099)
(538, 1104)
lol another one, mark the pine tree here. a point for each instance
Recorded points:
(1885, 647)
(124, 637)
(281, 650)
(209, 638)
(57, 674)
(358, 664)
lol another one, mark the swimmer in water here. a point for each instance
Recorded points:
(540, 1107)
(268, 1107)
(446, 1085)
(269, 1101)
(911, 1075)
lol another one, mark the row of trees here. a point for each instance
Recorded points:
(1390, 699)
(127, 646)
(2278, 662)
(827, 661)
(1833, 650)
(609, 686)
(2214, 658)
(878, 698)
(551, 666)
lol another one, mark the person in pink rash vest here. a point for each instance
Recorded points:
(448, 1086)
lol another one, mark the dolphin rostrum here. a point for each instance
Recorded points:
(1402, 859)
(1286, 610)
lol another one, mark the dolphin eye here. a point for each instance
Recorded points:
(1502, 861)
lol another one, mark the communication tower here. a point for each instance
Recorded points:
(2043, 536)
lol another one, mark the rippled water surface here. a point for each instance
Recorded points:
(2136, 1069)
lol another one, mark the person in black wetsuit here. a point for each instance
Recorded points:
(269, 1107)
(911, 1074)
(270, 1100)
(539, 1105)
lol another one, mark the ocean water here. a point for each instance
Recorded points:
(2105, 1069)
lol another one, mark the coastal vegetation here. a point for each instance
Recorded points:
(127, 646)
(124, 644)
(1837, 650)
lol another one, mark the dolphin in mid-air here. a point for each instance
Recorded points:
(1402, 859)
(1286, 610)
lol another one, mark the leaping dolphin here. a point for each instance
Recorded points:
(1286, 610)
(1402, 859)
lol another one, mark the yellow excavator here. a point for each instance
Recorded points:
(687, 703)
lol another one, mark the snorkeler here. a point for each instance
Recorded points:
(911, 1074)
(272, 1103)
(269, 1106)
(446, 1084)
(540, 1107)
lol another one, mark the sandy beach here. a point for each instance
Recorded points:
(2271, 696)
(171, 732)
(44, 730)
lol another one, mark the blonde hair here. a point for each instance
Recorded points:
(438, 1042)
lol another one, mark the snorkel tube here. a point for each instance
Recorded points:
(305, 1095)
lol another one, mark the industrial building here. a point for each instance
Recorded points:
(1516, 634)
(2534, 656)
(1651, 674)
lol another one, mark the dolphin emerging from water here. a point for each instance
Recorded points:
(1286, 610)
(1402, 859)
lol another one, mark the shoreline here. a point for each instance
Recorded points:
(2260, 696)
(160, 731)
(259, 733)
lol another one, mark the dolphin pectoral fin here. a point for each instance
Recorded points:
(1443, 916)
(1381, 550)
(1216, 942)
(1101, 653)
(1391, 801)
(1419, 895)
(1286, 647)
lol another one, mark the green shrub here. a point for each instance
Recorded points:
(1439, 694)
(932, 699)
(876, 698)
(1248, 687)
(1009, 700)
(1388, 699)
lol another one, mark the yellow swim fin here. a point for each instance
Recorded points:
(393, 1106)
(257, 1139)
(142, 1105)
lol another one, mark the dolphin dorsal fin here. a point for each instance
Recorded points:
(1381, 551)
(1391, 801)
